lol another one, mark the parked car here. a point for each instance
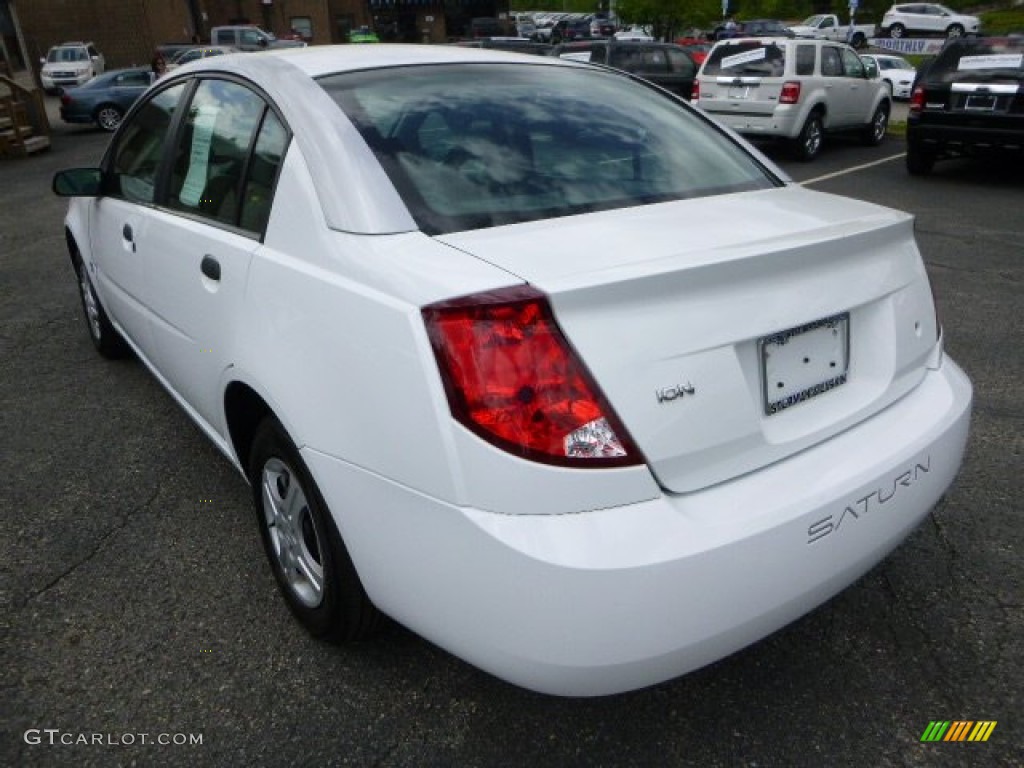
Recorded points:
(570, 29)
(515, 44)
(927, 19)
(602, 25)
(828, 26)
(69, 65)
(248, 37)
(967, 102)
(106, 98)
(896, 72)
(559, 373)
(793, 89)
(752, 28)
(199, 52)
(634, 32)
(663, 64)
(697, 50)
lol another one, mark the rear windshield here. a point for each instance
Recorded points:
(480, 145)
(980, 61)
(746, 58)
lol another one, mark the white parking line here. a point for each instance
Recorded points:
(855, 168)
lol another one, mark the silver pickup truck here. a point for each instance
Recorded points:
(828, 26)
(247, 37)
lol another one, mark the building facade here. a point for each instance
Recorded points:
(128, 31)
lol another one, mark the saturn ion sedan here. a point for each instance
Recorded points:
(525, 353)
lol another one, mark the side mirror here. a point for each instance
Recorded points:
(42, 61)
(263, 42)
(78, 182)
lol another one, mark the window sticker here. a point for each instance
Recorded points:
(199, 160)
(742, 58)
(995, 61)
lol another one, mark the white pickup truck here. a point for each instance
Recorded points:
(828, 26)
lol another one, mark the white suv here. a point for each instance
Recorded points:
(793, 89)
(927, 18)
(70, 65)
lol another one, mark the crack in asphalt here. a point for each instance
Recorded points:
(122, 524)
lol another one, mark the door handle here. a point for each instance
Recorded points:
(128, 235)
(210, 267)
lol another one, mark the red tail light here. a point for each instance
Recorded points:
(917, 99)
(790, 93)
(695, 91)
(513, 379)
(64, 98)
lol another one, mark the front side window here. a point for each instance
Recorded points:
(213, 146)
(852, 65)
(136, 157)
(473, 146)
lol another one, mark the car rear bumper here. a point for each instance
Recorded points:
(783, 122)
(620, 598)
(960, 138)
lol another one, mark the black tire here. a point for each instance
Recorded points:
(807, 145)
(108, 117)
(307, 548)
(954, 31)
(105, 338)
(897, 31)
(920, 161)
(874, 131)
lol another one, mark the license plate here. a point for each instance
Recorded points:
(983, 101)
(804, 362)
(739, 91)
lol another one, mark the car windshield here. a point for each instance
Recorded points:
(64, 55)
(894, 64)
(474, 146)
(811, 21)
(746, 58)
(985, 60)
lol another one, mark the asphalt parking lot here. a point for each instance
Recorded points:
(136, 598)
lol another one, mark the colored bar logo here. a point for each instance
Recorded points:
(958, 730)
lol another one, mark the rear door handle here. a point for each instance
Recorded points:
(128, 235)
(210, 267)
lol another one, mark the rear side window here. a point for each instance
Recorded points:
(212, 149)
(681, 64)
(749, 58)
(831, 62)
(805, 59)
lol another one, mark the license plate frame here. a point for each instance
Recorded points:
(980, 102)
(804, 362)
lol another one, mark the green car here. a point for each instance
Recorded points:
(363, 35)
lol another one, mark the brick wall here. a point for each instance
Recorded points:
(125, 31)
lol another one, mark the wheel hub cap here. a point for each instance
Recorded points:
(293, 537)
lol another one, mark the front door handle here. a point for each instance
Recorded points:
(210, 267)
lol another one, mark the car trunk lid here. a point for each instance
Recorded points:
(680, 323)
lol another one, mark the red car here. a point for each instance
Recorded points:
(697, 48)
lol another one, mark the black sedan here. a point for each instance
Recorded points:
(105, 99)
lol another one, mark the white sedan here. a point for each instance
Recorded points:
(897, 73)
(529, 355)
